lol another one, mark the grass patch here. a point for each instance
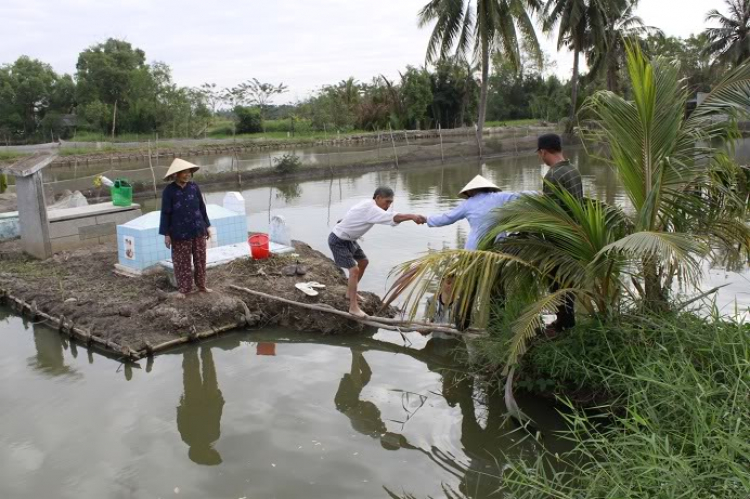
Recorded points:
(80, 151)
(29, 269)
(676, 425)
(512, 123)
(8, 156)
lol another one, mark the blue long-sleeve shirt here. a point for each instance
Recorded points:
(477, 210)
(183, 212)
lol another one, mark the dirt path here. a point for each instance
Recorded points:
(137, 312)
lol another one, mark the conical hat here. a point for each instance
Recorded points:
(179, 165)
(478, 182)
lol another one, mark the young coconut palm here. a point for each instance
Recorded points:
(668, 166)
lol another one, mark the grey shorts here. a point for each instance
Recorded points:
(346, 254)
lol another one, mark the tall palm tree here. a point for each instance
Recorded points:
(622, 25)
(730, 42)
(580, 24)
(687, 197)
(484, 26)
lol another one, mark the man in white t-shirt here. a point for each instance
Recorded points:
(358, 220)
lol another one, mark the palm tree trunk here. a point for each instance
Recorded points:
(574, 91)
(485, 87)
(655, 296)
(612, 71)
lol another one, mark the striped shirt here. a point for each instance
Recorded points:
(564, 175)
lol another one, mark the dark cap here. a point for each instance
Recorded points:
(550, 142)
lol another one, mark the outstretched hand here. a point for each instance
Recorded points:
(420, 219)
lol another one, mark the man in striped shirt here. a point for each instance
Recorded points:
(563, 176)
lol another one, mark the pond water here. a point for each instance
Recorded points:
(277, 414)
(270, 414)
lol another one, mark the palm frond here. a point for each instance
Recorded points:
(529, 323)
(474, 275)
(730, 96)
(682, 251)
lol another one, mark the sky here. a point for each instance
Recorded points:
(303, 43)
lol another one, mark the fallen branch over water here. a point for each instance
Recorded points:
(380, 322)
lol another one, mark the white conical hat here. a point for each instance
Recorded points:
(478, 182)
(179, 165)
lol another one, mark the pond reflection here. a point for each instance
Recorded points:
(199, 411)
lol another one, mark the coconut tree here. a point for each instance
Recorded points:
(484, 27)
(685, 206)
(730, 42)
(580, 25)
(622, 25)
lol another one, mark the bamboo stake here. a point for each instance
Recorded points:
(382, 322)
(442, 154)
(479, 141)
(393, 143)
(150, 165)
(325, 141)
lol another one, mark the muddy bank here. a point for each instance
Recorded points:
(115, 152)
(134, 316)
(261, 177)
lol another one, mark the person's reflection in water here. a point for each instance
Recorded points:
(201, 404)
(363, 414)
(49, 357)
(483, 446)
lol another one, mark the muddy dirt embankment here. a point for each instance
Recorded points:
(134, 316)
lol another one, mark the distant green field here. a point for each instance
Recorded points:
(509, 123)
(222, 129)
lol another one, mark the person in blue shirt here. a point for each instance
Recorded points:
(482, 197)
(184, 225)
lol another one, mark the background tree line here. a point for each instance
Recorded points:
(114, 91)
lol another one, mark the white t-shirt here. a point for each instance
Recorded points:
(360, 218)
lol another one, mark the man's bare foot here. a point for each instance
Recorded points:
(359, 297)
(206, 290)
(358, 313)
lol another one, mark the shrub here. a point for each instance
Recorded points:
(288, 163)
(677, 427)
(248, 120)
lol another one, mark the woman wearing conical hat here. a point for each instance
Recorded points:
(184, 225)
(482, 196)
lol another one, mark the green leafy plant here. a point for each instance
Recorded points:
(288, 163)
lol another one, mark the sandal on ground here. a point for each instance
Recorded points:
(316, 285)
(305, 288)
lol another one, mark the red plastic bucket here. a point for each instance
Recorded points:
(259, 246)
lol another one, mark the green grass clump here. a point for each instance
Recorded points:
(8, 156)
(676, 426)
(511, 123)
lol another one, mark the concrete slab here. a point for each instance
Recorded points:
(66, 228)
(89, 211)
